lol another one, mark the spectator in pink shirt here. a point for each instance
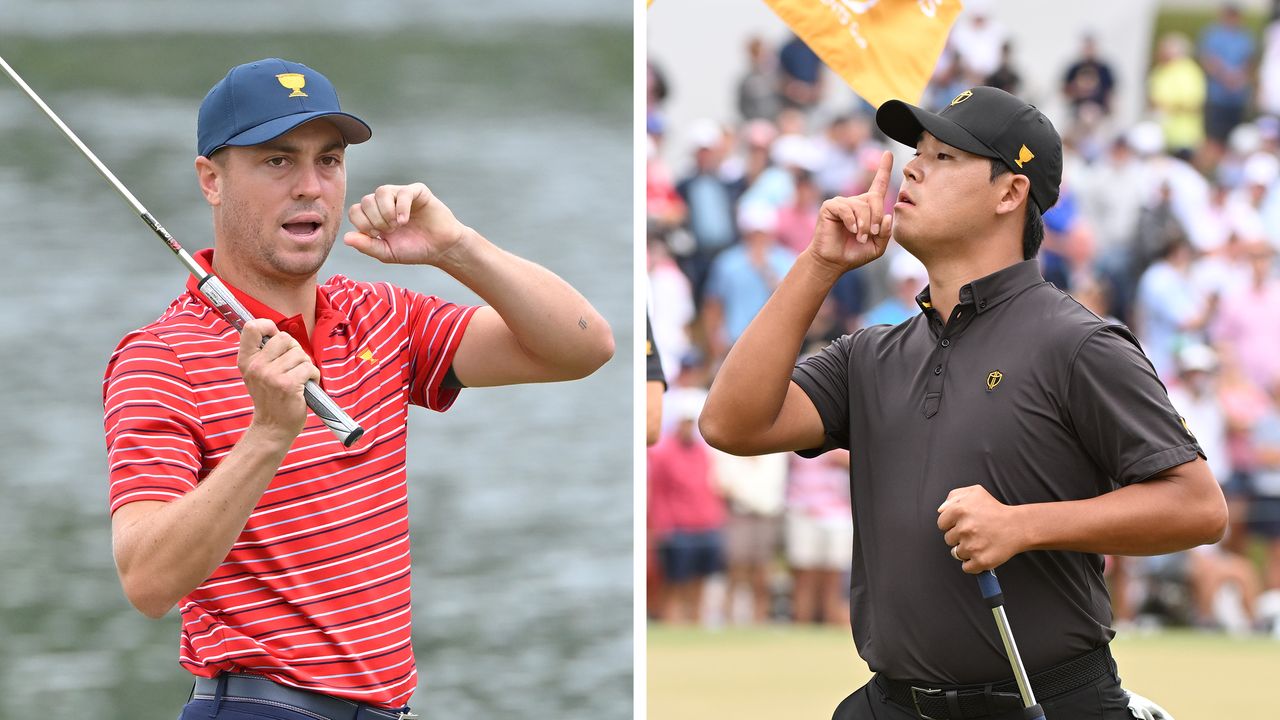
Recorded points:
(819, 537)
(1242, 323)
(685, 510)
(797, 219)
(1243, 403)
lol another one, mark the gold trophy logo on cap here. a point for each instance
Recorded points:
(294, 82)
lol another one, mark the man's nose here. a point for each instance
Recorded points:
(911, 170)
(307, 182)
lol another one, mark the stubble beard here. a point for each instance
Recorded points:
(263, 248)
(298, 266)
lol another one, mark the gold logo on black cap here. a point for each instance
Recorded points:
(962, 97)
(993, 379)
(1024, 156)
(294, 82)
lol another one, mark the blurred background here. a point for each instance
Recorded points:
(520, 118)
(1169, 221)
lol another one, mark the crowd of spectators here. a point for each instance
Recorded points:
(1169, 224)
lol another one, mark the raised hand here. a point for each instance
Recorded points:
(405, 224)
(852, 231)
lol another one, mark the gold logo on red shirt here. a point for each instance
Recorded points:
(367, 356)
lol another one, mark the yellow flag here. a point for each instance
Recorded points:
(884, 49)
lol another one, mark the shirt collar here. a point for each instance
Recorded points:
(987, 292)
(256, 308)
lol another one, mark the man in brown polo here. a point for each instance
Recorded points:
(1004, 426)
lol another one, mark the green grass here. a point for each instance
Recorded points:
(784, 672)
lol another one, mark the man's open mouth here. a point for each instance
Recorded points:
(301, 228)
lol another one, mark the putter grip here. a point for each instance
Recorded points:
(337, 420)
(990, 588)
(1035, 712)
(334, 417)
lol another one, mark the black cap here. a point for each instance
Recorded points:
(992, 123)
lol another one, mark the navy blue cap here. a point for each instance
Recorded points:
(262, 100)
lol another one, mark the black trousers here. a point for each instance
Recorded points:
(1100, 700)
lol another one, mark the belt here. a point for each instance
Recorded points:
(258, 689)
(958, 702)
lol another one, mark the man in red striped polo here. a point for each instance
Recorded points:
(287, 553)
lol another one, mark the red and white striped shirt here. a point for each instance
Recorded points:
(315, 593)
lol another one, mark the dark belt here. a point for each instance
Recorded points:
(959, 702)
(258, 689)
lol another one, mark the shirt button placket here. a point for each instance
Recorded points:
(933, 390)
(945, 343)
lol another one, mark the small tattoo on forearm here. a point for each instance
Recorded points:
(582, 323)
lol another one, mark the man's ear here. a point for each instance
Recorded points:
(1016, 189)
(209, 175)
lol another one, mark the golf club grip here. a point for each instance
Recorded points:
(990, 587)
(342, 425)
(1035, 712)
(334, 417)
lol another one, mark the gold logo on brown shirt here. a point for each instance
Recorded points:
(993, 379)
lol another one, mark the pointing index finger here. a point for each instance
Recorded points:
(879, 185)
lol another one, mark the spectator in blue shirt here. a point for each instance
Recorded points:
(743, 277)
(709, 200)
(1226, 53)
(907, 277)
(801, 75)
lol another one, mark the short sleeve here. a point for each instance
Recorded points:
(435, 330)
(824, 377)
(1120, 411)
(653, 361)
(153, 428)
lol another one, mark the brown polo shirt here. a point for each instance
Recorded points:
(1022, 391)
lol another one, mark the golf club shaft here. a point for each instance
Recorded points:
(1015, 659)
(994, 596)
(337, 420)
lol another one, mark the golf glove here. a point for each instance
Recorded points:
(1144, 709)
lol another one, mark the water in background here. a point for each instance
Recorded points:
(520, 497)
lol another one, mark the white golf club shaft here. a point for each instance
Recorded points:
(343, 426)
